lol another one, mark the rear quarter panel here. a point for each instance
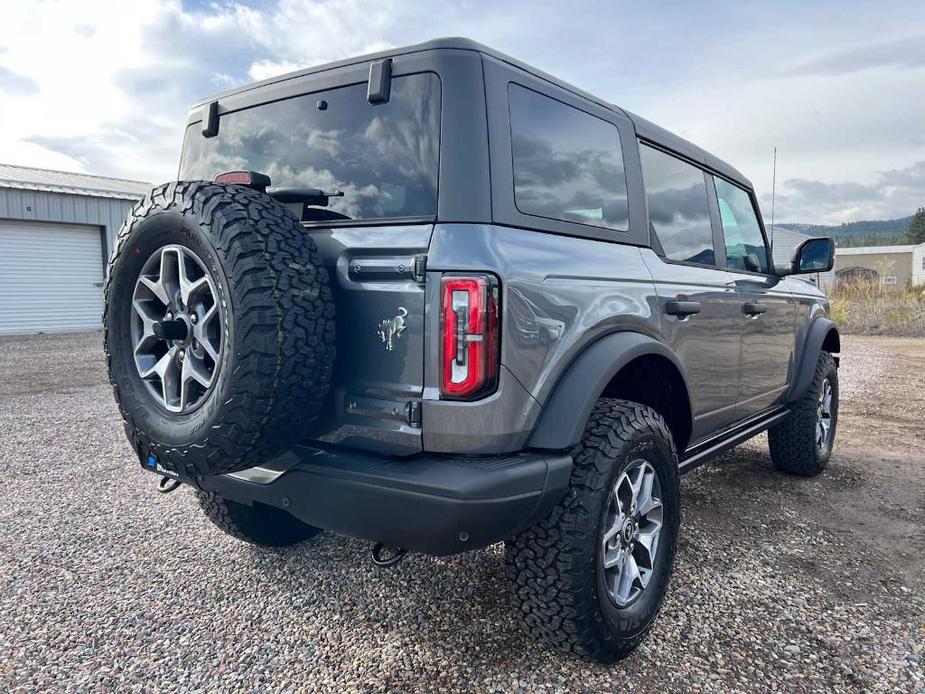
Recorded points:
(559, 294)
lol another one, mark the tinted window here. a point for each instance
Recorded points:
(745, 249)
(383, 157)
(679, 209)
(568, 164)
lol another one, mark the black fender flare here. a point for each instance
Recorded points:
(567, 409)
(816, 335)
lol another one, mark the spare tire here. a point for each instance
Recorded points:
(218, 327)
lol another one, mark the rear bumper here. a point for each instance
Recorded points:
(430, 503)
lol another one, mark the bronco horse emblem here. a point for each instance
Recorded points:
(391, 329)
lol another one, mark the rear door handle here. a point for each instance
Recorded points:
(682, 309)
(754, 310)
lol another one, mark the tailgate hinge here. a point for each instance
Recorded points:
(413, 414)
(419, 269)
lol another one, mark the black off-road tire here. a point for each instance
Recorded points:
(277, 326)
(792, 442)
(258, 524)
(558, 583)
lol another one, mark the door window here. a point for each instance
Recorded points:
(745, 247)
(568, 164)
(679, 210)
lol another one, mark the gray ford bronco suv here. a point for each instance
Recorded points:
(438, 299)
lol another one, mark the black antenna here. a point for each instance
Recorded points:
(773, 189)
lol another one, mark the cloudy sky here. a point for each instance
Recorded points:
(837, 85)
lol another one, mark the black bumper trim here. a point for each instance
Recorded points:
(430, 503)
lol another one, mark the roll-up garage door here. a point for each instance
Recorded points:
(51, 277)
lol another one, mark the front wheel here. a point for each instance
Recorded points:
(802, 443)
(590, 578)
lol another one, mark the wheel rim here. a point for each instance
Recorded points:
(631, 529)
(824, 416)
(176, 328)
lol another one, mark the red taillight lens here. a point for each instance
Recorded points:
(469, 322)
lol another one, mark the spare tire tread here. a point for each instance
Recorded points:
(282, 301)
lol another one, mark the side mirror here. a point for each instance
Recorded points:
(813, 255)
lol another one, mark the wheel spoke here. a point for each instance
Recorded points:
(188, 288)
(195, 370)
(614, 528)
(172, 385)
(147, 338)
(159, 368)
(647, 545)
(201, 334)
(637, 484)
(629, 573)
(170, 261)
(650, 505)
(613, 558)
(157, 288)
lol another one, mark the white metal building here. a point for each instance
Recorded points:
(893, 266)
(56, 233)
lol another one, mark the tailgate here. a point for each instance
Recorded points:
(377, 276)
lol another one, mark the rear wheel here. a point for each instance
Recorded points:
(590, 578)
(802, 443)
(258, 524)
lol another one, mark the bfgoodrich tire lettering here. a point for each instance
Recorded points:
(277, 326)
(555, 566)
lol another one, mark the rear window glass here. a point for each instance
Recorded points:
(568, 164)
(383, 157)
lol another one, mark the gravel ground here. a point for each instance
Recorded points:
(781, 583)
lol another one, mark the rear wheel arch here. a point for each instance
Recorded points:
(619, 365)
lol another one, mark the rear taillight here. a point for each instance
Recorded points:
(469, 325)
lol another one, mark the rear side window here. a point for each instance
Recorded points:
(568, 164)
(745, 249)
(383, 157)
(679, 209)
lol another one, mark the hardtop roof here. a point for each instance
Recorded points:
(644, 128)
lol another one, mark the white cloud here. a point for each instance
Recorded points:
(893, 193)
(264, 69)
(105, 86)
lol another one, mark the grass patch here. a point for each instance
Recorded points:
(865, 308)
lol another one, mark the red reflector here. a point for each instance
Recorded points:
(469, 324)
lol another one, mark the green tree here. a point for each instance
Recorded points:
(916, 231)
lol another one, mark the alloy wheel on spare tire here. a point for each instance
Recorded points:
(218, 327)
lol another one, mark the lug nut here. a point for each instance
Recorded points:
(182, 354)
(193, 318)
